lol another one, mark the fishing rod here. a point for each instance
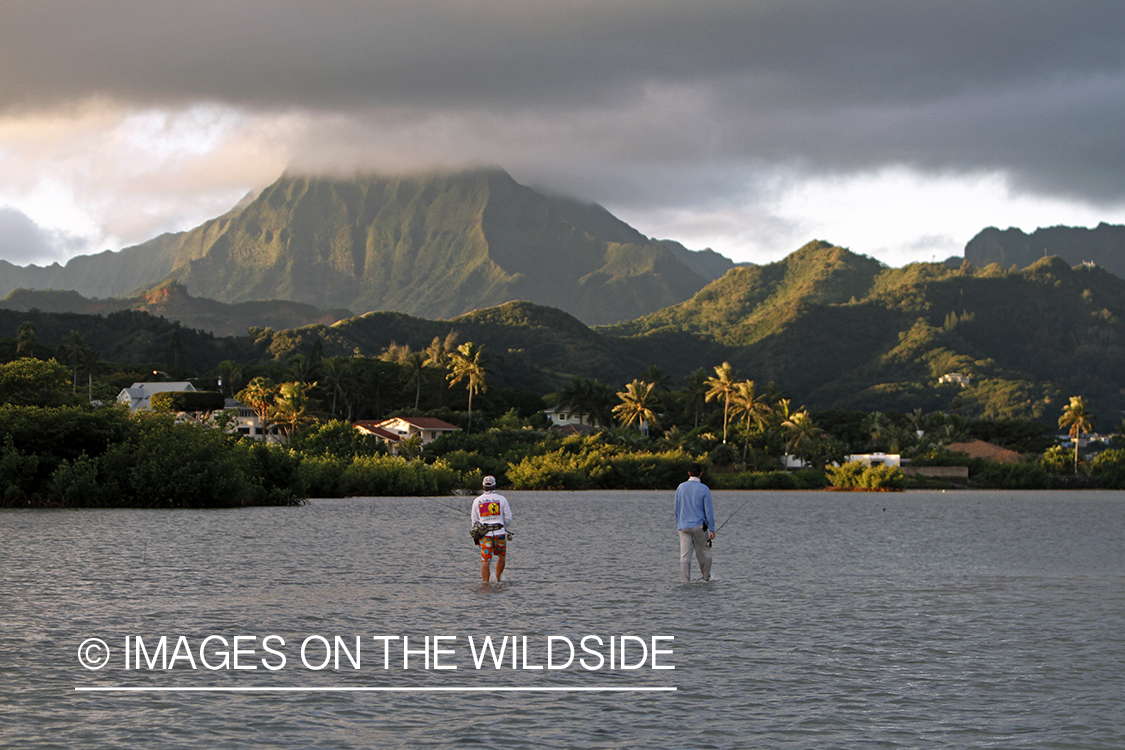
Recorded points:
(724, 523)
(450, 507)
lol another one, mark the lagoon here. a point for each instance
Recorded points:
(891, 620)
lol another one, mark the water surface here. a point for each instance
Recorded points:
(958, 619)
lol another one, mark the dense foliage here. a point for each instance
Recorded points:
(836, 329)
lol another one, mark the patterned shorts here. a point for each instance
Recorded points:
(493, 545)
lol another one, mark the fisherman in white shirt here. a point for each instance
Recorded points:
(492, 512)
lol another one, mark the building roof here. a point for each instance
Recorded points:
(987, 451)
(422, 423)
(137, 394)
(371, 427)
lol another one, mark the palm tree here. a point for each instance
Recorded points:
(722, 386)
(413, 367)
(291, 407)
(375, 381)
(411, 447)
(259, 394)
(439, 353)
(302, 368)
(695, 393)
(636, 404)
(336, 374)
(76, 353)
(801, 431)
(468, 364)
(747, 402)
(1076, 417)
(652, 374)
(395, 352)
(590, 399)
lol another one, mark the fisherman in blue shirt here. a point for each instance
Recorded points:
(695, 519)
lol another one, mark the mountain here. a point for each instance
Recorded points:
(838, 330)
(1103, 245)
(751, 301)
(831, 328)
(433, 246)
(171, 300)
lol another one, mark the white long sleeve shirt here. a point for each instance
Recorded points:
(492, 508)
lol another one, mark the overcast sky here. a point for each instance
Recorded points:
(897, 129)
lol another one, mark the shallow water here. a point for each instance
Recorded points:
(958, 619)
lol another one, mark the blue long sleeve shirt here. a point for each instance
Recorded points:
(693, 505)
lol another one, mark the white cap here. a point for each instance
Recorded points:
(489, 482)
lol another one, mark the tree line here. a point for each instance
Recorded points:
(642, 435)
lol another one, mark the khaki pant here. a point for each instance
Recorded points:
(694, 539)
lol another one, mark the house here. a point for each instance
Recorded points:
(396, 429)
(955, 378)
(137, 395)
(245, 421)
(876, 459)
(565, 417)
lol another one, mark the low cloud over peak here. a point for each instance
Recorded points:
(641, 105)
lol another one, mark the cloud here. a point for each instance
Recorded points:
(142, 116)
(22, 241)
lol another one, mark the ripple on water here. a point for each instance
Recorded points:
(940, 620)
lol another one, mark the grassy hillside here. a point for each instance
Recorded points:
(836, 330)
(833, 329)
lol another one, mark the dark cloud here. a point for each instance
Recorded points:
(1033, 89)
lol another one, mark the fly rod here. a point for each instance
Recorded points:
(724, 523)
(450, 507)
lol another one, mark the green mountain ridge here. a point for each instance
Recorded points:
(433, 246)
(171, 300)
(832, 328)
(1103, 245)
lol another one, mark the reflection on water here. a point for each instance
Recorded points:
(967, 619)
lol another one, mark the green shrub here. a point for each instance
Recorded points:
(384, 476)
(79, 482)
(561, 469)
(323, 475)
(723, 454)
(34, 382)
(1019, 476)
(849, 474)
(645, 471)
(275, 469)
(475, 464)
(1109, 466)
(336, 438)
(855, 474)
(168, 464)
(1058, 460)
(18, 472)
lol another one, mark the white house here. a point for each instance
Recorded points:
(564, 416)
(396, 429)
(876, 459)
(245, 420)
(138, 394)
